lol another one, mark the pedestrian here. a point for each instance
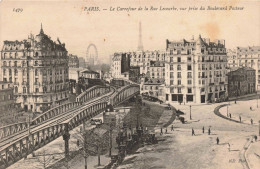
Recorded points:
(172, 128)
(192, 132)
(250, 108)
(161, 132)
(217, 140)
(228, 146)
(251, 121)
(166, 130)
(240, 118)
(229, 115)
(209, 131)
(255, 138)
(203, 129)
(235, 102)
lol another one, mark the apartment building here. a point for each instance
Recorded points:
(38, 68)
(195, 71)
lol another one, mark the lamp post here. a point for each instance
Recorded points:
(259, 127)
(257, 102)
(227, 110)
(190, 112)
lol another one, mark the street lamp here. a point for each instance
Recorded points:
(227, 110)
(257, 101)
(259, 127)
(190, 112)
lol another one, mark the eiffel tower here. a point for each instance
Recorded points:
(140, 43)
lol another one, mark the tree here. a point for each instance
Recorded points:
(93, 142)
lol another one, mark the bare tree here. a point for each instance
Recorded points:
(45, 160)
(92, 143)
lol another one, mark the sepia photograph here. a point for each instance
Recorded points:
(130, 84)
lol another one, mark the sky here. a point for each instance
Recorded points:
(115, 31)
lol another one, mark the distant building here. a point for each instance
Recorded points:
(150, 86)
(8, 107)
(134, 74)
(241, 82)
(157, 69)
(250, 57)
(142, 59)
(195, 71)
(73, 61)
(232, 59)
(82, 62)
(121, 65)
(89, 74)
(38, 68)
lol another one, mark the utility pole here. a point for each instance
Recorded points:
(257, 101)
(85, 144)
(259, 127)
(227, 110)
(190, 112)
(110, 139)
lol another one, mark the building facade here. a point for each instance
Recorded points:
(232, 59)
(73, 61)
(195, 71)
(38, 68)
(8, 108)
(250, 57)
(156, 70)
(241, 82)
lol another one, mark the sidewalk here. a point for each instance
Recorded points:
(242, 109)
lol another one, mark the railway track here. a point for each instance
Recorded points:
(56, 120)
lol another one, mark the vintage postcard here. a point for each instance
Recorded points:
(130, 84)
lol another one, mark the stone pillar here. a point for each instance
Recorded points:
(66, 138)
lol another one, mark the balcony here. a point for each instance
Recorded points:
(16, 83)
(25, 83)
(37, 83)
(211, 84)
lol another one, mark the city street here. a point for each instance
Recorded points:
(181, 150)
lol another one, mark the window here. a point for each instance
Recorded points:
(36, 72)
(36, 63)
(179, 67)
(189, 75)
(189, 59)
(4, 72)
(179, 90)
(171, 67)
(171, 74)
(37, 90)
(189, 90)
(188, 67)
(24, 89)
(171, 59)
(171, 52)
(179, 82)
(10, 72)
(4, 63)
(15, 72)
(179, 59)
(16, 89)
(179, 75)
(189, 82)
(171, 82)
